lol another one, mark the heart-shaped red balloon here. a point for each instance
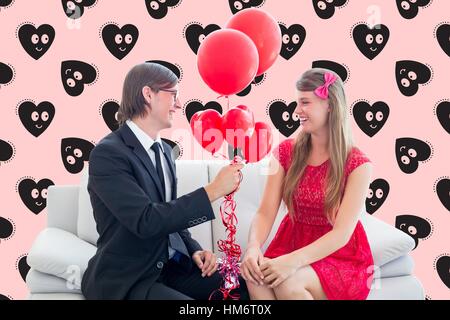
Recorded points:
(259, 144)
(237, 124)
(206, 127)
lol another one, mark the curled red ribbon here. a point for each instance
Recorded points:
(229, 264)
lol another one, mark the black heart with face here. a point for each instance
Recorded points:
(443, 192)
(6, 150)
(109, 114)
(283, 117)
(370, 41)
(325, 8)
(238, 5)
(74, 151)
(23, 267)
(6, 228)
(120, 41)
(158, 9)
(170, 66)
(410, 8)
(443, 114)
(195, 34)
(196, 106)
(378, 192)
(414, 226)
(6, 73)
(2, 297)
(370, 119)
(75, 74)
(36, 41)
(443, 269)
(176, 148)
(259, 79)
(340, 69)
(34, 195)
(5, 3)
(292, 39)
(409, 74)
(409, 151)
(36, 119)
(74, 9)
(443, 37)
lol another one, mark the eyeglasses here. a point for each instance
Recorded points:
(176, 93)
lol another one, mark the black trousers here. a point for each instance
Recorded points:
(175, 283)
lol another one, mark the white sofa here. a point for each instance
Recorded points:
(60, 253)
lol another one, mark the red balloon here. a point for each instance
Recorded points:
(263, 29)
(259, 144)
(206, 127)
(227, 61)
(237, 124)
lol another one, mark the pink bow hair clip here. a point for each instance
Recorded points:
(322, 91)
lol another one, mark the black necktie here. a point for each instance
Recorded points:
(175, 240)
(155, 147)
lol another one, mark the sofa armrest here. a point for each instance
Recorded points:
(60, 253)
(62, 207)
(386, 242)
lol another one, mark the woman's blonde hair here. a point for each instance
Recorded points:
(340, 143)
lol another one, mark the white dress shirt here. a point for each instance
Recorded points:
(147, 142)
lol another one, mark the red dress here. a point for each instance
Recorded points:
(345, 274)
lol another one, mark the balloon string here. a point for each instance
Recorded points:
(228, 100)
(229, 265)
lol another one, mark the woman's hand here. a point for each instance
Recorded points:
(205, 261)
(277, 270)
(250, 266)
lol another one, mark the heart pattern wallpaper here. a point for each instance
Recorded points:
(63, 63)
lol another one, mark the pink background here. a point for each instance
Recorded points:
(374, 80)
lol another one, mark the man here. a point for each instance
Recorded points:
(144, 250)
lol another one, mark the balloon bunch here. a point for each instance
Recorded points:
(228, 60)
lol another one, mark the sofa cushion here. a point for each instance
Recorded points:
(86, 226)
(402, 266)
(39, 282)
(396, 288)
(60, 253)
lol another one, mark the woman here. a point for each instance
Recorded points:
(320, 250)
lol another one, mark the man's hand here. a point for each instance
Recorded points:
(206, 261)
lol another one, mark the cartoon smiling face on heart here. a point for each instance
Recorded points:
(410, 8)
(74, 151)
(325, 9)
(292, 39)
(409, 151)
(370, 41)
(36, 118)
(414, 226)
(74, 9)
(120, 41)
(158, 9)
(36, 41)
(284, 118)
(34, 194)
(409, 74)
(239, 5)
(377, 194)
(75, 74)
(370, 118)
